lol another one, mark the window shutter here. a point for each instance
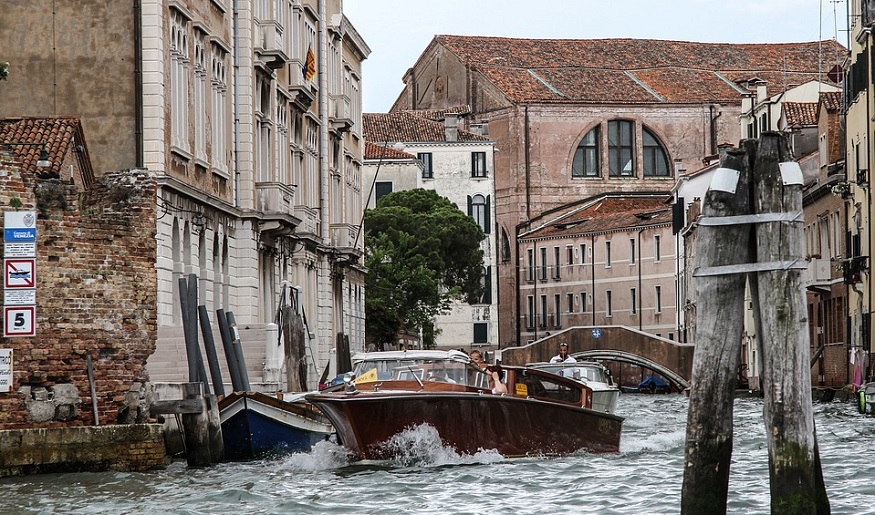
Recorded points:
(470, 209)
(488, 226)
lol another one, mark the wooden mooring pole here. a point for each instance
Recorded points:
(774, 258)
(720, 325)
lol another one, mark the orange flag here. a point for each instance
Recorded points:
(310, 66)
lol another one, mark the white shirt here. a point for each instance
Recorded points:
(558, 359)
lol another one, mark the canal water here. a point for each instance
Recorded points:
(644, 478)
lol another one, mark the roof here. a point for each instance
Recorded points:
(800, 114)
(832, 100)
(407, 127)
(637, 70)
(440, 114)
(607, 213)
(374, 151)
(25, 138)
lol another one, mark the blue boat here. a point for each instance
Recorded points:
(255, 425)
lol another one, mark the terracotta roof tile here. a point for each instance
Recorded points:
(832, 100)
(607, 213)
(593, 70)
(800, 114)
(407, 127)
(56, 134)
(374, 151)
(439, 114)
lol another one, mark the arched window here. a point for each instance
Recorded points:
(655, 160)
(621, 160)
(586, 157)
(478, 208)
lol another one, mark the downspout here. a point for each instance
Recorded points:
(528, 180)
(592, 264)
(236, 22)
(138, 83)
(640, 264)
(323, 123)
(868, 209)
(518, 282)
(713, 127)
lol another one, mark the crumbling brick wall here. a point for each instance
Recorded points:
(96, 296)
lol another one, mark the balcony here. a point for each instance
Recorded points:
(853, 268)
(343, 241)
(270, 44)
(274, 198)
(339, 117)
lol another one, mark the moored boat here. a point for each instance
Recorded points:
(543, 413)
(256, 424)
(591, 373)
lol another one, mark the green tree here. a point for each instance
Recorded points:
(422, 253)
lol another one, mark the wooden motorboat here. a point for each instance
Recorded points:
(591, 373)
(256, 424)
(388, 392)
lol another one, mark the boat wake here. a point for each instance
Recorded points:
(421, 446)
(325, 455)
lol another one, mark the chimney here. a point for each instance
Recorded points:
(451, 127)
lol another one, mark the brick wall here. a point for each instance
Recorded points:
(96, 296)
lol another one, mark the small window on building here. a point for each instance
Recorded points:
(543, 263)
(632, 251)
(481, 332)
(427, 172)
(609, 305)
(530, 313)
(382, 189)
(657, 250)
(530, 265)
(583, 253)
(655, 160)
(569, 255)
(583, 302)
(478, 209)
(658, 303)
(570, 302)
(557, 268)
(607, 254)
(620, 149)
(633, 301)
(478, 164)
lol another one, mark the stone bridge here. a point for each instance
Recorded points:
(672, 360)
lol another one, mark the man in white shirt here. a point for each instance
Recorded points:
(563, 356)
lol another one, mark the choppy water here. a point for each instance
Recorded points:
(644, 478)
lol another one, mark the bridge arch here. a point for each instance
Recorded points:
(627, 357)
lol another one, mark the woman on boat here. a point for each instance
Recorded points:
(493, 373)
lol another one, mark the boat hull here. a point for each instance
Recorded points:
(469, 422)
(255, 425)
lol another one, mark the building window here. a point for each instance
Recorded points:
(633, 301)
(607, 254)
(200, 96)
(530, 265)
(542, 316)
(179, 77)
(543, 263)
(569, 255)
(557, 309)
(530, 314)
(486, 283)
(655, 160)
(219, 104)
(583, 302)
(632, 251)
(478, 209)
(481, 332)
(478, 164)
(657, 250)
(620, 150)
(556, 266)
(570, 297)
(658, 304)
(583, 253)
(609, 305)
(425, 158)
(586, 157)
(382, 188)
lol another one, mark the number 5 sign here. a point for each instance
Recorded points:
(19, 321)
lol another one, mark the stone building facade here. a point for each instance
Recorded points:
(458, 165)
(249, 116)
(574, 119)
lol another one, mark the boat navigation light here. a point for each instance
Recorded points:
(348, 381)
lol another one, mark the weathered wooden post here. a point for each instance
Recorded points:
(721, 242)
(795, 476)
(195, 426)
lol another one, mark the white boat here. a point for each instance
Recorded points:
(591, 373)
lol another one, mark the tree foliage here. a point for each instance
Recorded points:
(422, 253)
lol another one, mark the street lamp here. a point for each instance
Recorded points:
(43, 161)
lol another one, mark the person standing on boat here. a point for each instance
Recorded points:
(563, 356)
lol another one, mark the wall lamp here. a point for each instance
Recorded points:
(43, 161)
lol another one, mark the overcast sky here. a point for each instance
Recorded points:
(397, 31)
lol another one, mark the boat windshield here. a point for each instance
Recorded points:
(586, 373)
(411, 369)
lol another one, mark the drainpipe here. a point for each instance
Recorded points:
(323, 119)
(640, 264)
(236, 22)
(869, 210)
(713, 127)
(528, 179)
(138, 83)
(592, 264)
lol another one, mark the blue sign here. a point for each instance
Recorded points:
(596, 333)
(18, 235)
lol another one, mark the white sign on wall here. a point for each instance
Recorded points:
(5, 370)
